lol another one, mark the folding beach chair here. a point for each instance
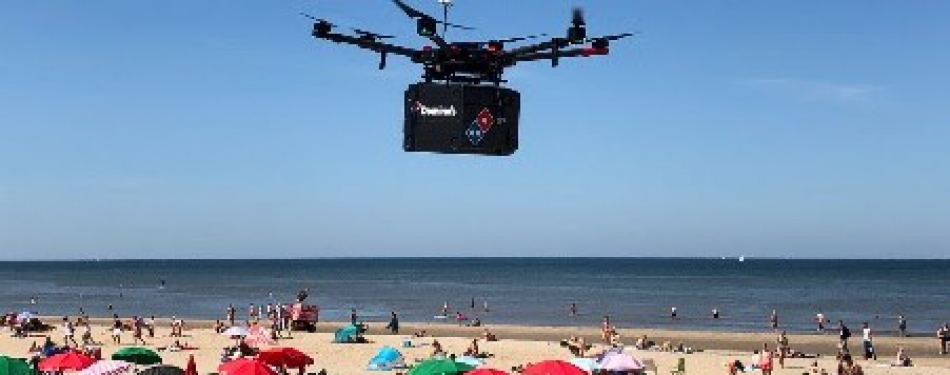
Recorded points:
(680, 368)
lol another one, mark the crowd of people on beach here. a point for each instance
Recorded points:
(277, 318)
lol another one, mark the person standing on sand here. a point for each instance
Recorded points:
(902, 326)
(783, 348)
(843, 334)
(943, 334)
(151, 326)
(138, 331)
(116, 331)
(69, 332)
(765, 360)
(605, 329)
(393, 325)
(252, 313)
(866, 339)
(231, 312)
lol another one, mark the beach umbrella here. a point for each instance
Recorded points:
(235, 331)
(440, 367)
(245, 367)
(471, 361)
(137, 355)
(191, 368)
(162, 370)
(69, 361)
(554, 367)
(586, 364)
(620, 362)
(14, 366)
(107, 367)
(486, 371)
(286, 357)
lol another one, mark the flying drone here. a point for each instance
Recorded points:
(460, 105)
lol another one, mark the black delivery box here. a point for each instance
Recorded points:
(454, 118)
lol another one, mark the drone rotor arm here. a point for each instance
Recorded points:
(372, 45)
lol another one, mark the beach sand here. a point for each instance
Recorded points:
(518, 345)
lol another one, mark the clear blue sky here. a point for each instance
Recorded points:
(216, 128)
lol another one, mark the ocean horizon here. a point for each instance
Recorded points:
(635, 292)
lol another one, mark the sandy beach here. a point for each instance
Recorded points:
(517, 345)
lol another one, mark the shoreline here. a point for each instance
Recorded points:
(705, 340)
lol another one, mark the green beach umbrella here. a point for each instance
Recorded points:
(440, 367)
(14, 366)
(137, 355)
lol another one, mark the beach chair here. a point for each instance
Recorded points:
(680, 368)
(649, 366)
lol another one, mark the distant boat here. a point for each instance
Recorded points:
(742, 258)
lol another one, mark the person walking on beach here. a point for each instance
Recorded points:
(150, 325)
(116, 330)
(773, 320)
(902, 325)
(783, 348)
(843, 334)
(765, 360)
(69, 332)
(252, 313)
(943, 334)
(137, 331)
(820, 320)
(231, 312)
(866, 337)
(393, 325)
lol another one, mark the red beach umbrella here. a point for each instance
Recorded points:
(191, 368)
(486, 371)
(69, 361)
(553, 368)
(287, 357)
(245, 367)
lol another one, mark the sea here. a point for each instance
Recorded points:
(634, 292)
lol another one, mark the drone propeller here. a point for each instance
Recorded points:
(615, 37)
(321, 20)
(520, 38)
(370, 34)
(413, 13)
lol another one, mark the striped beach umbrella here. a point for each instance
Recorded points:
(107, 367)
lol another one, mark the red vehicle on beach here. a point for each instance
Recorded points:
(304, 317)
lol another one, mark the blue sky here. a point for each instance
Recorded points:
(217, 128)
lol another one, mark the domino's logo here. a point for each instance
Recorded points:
(480, 127)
